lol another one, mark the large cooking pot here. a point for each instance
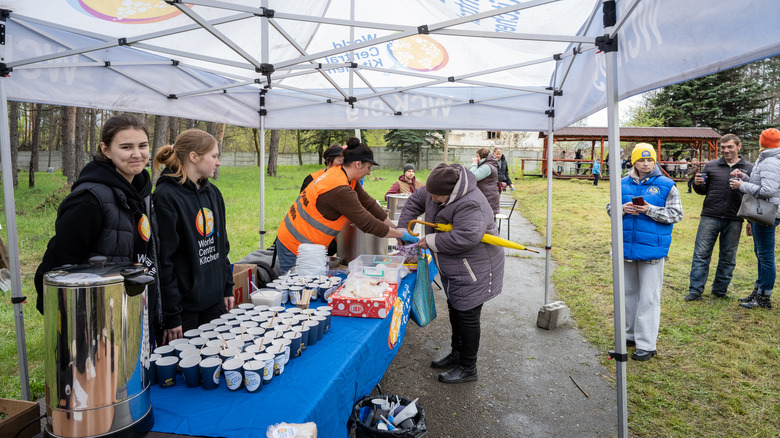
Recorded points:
(96, 340)
(395, 203)
(352, 242)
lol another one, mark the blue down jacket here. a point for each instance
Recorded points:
(472, 272)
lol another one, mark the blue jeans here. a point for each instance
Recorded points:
(710, 229)
(764, 247)
(286, 258)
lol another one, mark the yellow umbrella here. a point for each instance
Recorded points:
(487, 238)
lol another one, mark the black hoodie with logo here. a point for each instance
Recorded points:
(104, 215)
(194, 267)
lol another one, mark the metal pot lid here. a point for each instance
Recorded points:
(96, 273)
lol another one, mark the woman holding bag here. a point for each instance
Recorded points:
(763, 183)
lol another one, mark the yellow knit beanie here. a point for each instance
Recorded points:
(642, 150)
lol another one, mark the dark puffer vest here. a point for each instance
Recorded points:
(100, 217)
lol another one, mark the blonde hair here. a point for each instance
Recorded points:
(174, 156)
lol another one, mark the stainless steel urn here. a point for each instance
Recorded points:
(96, 337)
(352, 242)
(395, 203)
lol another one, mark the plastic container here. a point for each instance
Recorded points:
(378, 267)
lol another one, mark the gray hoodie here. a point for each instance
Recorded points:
(472, 272)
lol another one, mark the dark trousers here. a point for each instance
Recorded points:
(191, 320)
(596, 179)
(465, 333)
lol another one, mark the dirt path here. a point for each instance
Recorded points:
(527, 375)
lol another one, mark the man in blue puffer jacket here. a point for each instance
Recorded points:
(647, 235)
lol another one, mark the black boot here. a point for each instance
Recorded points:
(758, 301)
(750, 297)
(447, 361)
(459, 374)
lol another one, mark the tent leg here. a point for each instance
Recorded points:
(548, 242)
(264, 57)
(617, 240)
(13, 243)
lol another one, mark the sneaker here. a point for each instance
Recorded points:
(643, 355)
(692, 297)
(723, 296)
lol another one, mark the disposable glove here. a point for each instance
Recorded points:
(408, 238)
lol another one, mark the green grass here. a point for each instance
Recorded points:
(717, 372)
(36, 210)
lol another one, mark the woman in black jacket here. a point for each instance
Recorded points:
(108, 212)
(503, 169)
(195, 277)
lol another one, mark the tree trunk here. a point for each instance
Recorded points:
(298, 141)
(256, 140)
(93, 135)
(273, 152)
(220, 135)
(68, 143)
(190, 123)
(158, 141)
(173, 129)
(80, 142)
(35, 144)
(13, 127)
(211, 128)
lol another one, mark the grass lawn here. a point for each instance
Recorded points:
(717, 372)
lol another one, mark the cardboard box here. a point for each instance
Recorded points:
(244, 276)
(19, 413)
(364, 307)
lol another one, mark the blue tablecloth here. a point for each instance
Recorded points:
(320, 386)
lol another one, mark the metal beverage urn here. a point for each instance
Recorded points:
(97, 348)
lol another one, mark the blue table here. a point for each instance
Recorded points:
(320, 386)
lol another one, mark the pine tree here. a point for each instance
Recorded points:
(730, 101)
(411, 141)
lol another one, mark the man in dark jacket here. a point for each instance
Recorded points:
(472, 272)
(719, 220)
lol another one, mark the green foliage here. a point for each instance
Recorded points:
(411, 141)
(730, 101)
(716, 371)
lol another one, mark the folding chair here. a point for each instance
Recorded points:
(500, 216)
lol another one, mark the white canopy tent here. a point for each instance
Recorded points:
(334, 64)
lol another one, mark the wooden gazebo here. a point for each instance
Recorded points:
(704, 141)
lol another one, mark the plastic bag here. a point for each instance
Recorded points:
(423, 309)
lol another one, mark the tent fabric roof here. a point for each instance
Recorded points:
(629, 134)
(328, 64)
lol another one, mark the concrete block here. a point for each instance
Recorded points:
(552, 315)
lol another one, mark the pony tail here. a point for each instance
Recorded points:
(161, 157)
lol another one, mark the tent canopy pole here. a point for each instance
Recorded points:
(620, 353)
(13, 243)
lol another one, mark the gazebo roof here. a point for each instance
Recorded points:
(679, 134)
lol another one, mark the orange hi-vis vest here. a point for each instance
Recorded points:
(304, 223)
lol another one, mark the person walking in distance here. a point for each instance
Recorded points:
(719, 220)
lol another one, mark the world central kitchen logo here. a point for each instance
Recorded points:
(415, 52)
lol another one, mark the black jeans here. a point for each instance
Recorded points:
(191, 320)
(465, 333)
